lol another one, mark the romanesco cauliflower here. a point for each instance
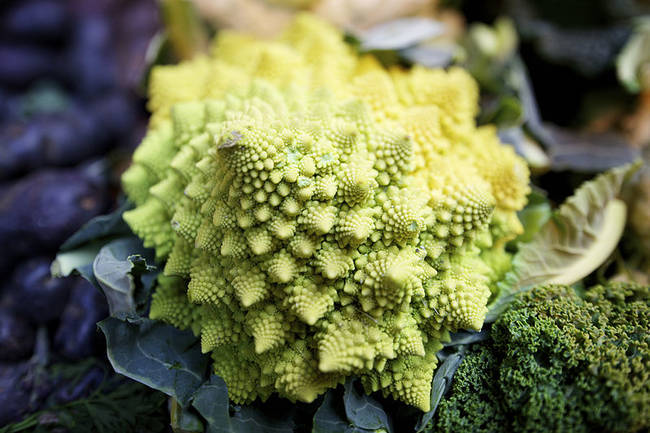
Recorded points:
(320, 216)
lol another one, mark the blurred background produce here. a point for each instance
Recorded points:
(71, 111)
(566, 83)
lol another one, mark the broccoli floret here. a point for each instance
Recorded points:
(558, 361)
(325, 211)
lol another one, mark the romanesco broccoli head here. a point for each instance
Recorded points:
(557, 361)
(321, 212)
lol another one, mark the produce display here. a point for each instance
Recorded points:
(216, 222)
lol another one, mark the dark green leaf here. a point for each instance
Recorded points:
(156, 354)
(363, 411)
(77, 260)
(633, 57)
(330, 416)
(211, 400)
(184, 420)
(116, 268)
(99, 227)
(504, 111)
(440, 385)
(466, 337)
(533, 216)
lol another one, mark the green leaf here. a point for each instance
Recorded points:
(579, 237)
(183, 420)
(99, 227)
(574, 242)
(504, 111)
(116, 268)
(363, 411)
(534, 216)
(466, 337)
(186, 32)
(79, 251)
(155, 354)
(78, 260)
(634, 58)
(330, 416)
(211, 401)
(440, 385)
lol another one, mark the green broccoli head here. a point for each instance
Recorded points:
(324, 213)
(558, 361)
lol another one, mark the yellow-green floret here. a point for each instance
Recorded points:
(323, 212)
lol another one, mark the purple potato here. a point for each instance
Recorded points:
(40, 211)
(15, 392)
(91, 67)
(16, 336)
(22, 65)
(35, 294)
(39, 20)
(65, 138)
(77, 335)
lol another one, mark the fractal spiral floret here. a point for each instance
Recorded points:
(321, 216)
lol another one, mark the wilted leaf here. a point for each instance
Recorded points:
(582, 233)
(363, 411)
(211, 400)
(116, 266)
(157, 355)
(400, 33)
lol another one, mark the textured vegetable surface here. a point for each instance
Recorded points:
(321, 216)
(558, 361)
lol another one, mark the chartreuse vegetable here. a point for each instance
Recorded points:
(321, 216)
(558, 361)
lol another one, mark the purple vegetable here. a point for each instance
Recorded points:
(77, 335)
(15, 392)
(22, 65)
(91, 66)
(39, 212)
(42, 20)
(34, 294)
(16, 336)
(64, 138)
